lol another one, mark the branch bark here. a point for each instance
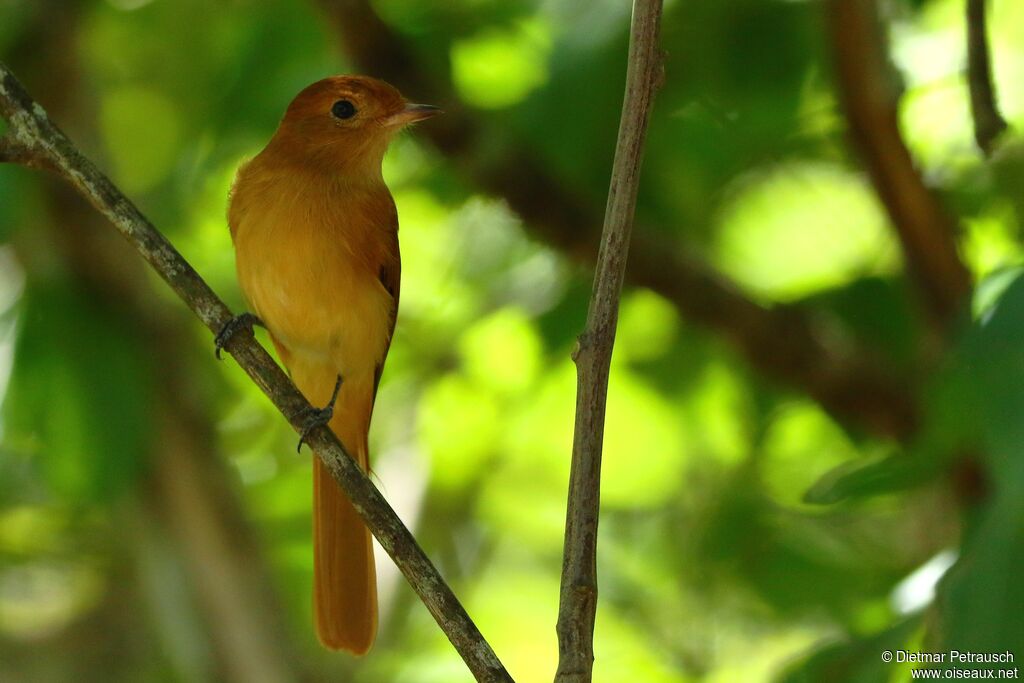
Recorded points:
(870, 97)
(593, 355)
(30, 129)
(788, 344)
(988, 122)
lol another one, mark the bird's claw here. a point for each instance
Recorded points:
(317, 417)
(245, 321)
(313, 418)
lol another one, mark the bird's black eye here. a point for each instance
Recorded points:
(343, 109)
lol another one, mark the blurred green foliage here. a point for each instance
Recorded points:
(746, 534)
(82, 385)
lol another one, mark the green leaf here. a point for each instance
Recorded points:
(861, 480)
(854, 661)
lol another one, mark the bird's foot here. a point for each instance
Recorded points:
(316, 417)
(245, 321)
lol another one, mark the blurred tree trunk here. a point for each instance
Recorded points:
(190, 492)
(190, 497)
(866, 81)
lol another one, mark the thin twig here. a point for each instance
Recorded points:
(867, 88)
(578, 599)
(791, 344)
(988, 122)
(30, 129)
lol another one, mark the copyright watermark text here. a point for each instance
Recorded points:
(956, 664)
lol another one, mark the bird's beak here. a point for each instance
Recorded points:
(411, 114)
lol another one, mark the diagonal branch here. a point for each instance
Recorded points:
(31, 131)
(870, 97)
(988, 122)
(788, 344)
(593, 355)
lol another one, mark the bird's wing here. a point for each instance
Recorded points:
(390, 275)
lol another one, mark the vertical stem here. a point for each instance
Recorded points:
(578, 599)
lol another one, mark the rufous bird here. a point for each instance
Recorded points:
(316, 245)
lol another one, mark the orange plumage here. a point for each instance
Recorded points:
(316, 244)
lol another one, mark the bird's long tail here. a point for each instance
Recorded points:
(344, 577)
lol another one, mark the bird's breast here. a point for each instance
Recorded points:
(308, 270)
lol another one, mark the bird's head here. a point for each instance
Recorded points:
(344, 123)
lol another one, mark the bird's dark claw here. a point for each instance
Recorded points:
(245, 321)
(316, 417)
